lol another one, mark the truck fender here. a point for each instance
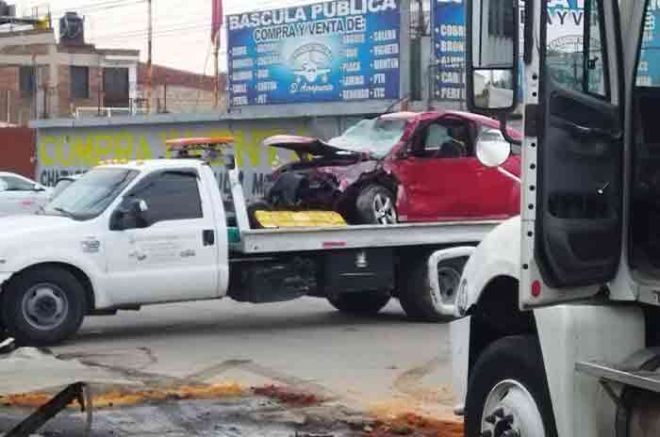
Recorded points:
(445, 306)
(498, 255)
(93, 274)
(494, 261)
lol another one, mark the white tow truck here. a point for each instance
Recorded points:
(559, 332)
(129, 234)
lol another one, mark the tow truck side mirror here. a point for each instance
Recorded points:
(129, 215)
(491, 56)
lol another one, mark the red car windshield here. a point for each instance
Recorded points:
(373, 136)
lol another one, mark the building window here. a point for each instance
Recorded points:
(115, 87)
(79, 83)
(26, 81)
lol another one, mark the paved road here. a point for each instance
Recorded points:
(383, 364)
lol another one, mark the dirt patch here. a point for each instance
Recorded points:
(280, 408)
(287, 396)
(120, 397)
(411, 424)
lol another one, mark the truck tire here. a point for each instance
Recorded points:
(416, 297)
(43, 307)
(507, 391)
(376, 205)
(360, 303)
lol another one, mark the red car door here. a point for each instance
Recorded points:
(437, 178)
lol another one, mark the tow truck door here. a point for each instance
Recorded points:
(573, 150)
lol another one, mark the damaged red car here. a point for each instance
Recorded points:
(399, 167)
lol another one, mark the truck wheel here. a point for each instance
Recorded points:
(376, 205)
(418, 300)
(360, 303)
(43, 307)
(507, 393)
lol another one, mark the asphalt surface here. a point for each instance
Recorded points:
(378, 363)
(382, 366)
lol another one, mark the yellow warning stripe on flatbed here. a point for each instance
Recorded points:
(299, 219)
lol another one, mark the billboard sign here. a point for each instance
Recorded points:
(449, 49)
(337, 51)
(565, 30)
(648, 73)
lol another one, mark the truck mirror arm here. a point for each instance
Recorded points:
(505, 132)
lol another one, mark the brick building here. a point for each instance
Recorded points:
(42, 76)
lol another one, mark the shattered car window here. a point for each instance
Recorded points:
(375, 136)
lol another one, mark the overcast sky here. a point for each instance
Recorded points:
(181, 28)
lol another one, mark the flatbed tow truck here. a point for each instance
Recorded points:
(145, 232)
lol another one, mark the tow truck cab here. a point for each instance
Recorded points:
(559, 319)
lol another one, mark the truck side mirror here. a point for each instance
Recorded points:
(493, 154)
(129, 215)
(492, 60)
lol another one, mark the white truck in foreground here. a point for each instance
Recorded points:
(130, 234)
(559, 332)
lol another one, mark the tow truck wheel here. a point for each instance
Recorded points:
(507, 393)
(42, 307)
(419, 300)
(360, 303)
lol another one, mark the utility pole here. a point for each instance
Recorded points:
(150, 69)
(216, 71)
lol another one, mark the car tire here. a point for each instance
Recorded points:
(360, 303)
(376, 205)
(43, 307)
(507, 390)
(416, 297)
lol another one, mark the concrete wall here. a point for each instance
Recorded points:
(72, 147)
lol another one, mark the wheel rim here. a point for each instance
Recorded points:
(384, 209)
(45, 306)
(510, 411)
(448, 281)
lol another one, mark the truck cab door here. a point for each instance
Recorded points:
(162, 245)
(573, 152)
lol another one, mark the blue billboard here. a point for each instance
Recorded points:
(449, 49)
(648, 71)
(337, 51)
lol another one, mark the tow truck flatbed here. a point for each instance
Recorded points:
(261, 241)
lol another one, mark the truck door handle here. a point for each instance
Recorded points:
(593, 132)
(208, 237)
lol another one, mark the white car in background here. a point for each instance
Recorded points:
(20, 195)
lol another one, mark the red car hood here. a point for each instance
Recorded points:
(304, 145)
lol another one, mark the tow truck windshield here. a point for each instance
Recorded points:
(89, 196)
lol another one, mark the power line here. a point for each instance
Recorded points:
(194, 28)
(97, 7)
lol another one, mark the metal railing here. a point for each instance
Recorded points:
(107, 111)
